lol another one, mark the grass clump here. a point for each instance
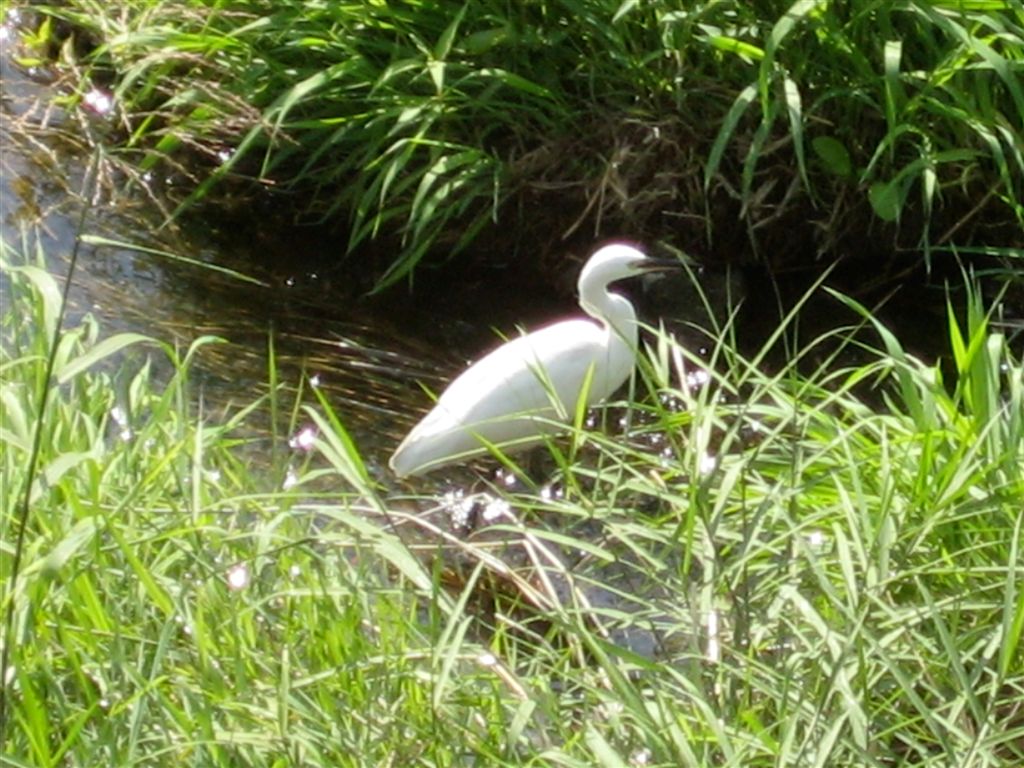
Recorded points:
(172, 602)
(813, 124)
(776, 575)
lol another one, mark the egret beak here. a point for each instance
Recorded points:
(661, 265)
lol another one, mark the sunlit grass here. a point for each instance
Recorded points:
(778, 574)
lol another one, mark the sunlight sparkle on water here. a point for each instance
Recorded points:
(496, 508)
(458, 507)
(641, 757)
(707, 464)
(550, 493)
(816, 540)
(98, 101)
(714, 649)
(120, 417)
(12, 21)
(304, 439)
(697, 379)
(238, 577)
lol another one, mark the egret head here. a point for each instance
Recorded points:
(617, 261)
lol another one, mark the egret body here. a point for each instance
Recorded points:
(518, 393)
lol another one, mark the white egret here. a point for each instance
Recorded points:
(518, 393)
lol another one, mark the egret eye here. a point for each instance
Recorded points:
(523, 390)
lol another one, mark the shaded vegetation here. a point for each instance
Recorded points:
(862, 130)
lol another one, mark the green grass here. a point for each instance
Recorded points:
(417, 124)
(861, 565)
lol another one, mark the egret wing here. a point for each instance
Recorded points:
(512, 395)
(537, 374)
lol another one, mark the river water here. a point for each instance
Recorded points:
(371, 355)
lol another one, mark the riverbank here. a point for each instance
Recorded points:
(744, 133)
